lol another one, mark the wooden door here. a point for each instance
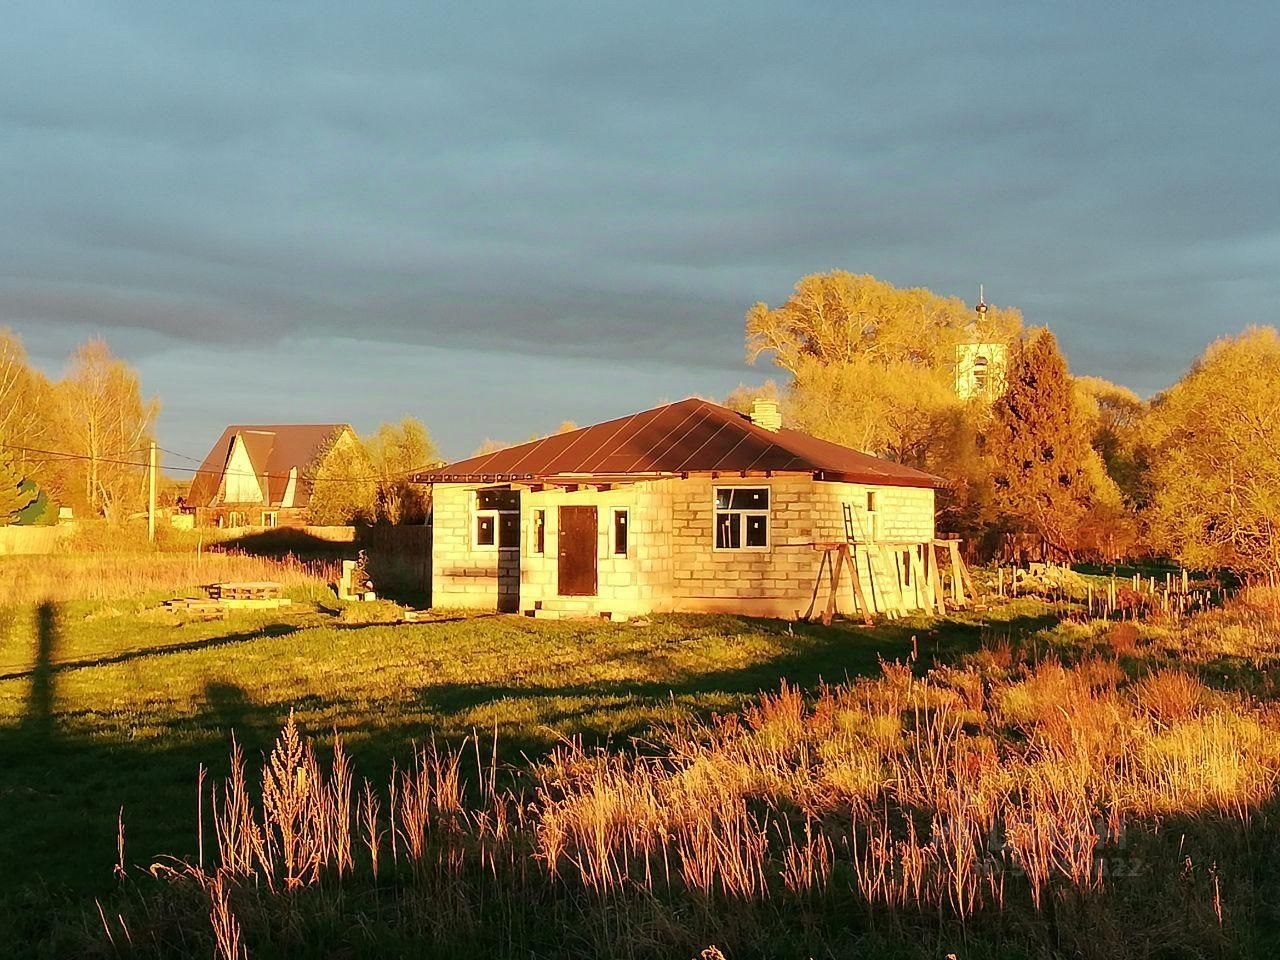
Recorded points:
(577, 542)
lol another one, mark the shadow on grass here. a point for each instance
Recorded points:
(58, 789)
(399, 557)
(616, 711)
(287, 541)
(61, 790)
(37, 716)
(46, 665)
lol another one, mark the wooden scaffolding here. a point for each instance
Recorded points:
(893, 568)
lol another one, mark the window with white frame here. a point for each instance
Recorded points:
(270, 518)
(873, 516)
(742, 518)
(497, 518)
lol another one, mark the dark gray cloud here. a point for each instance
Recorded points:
(617, 184)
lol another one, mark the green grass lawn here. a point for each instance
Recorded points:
(104, 706)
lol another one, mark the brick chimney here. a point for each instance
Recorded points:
(764, 413)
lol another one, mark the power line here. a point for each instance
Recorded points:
(182, 456)
(67, 455)
(196, 471)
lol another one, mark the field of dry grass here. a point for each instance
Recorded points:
(60, 578)
(1009, 785)
(1054, 801)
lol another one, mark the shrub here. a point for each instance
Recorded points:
(1122, 637)
(1170, 695)
(371, 611)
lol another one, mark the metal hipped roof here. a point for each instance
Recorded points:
(691, 436)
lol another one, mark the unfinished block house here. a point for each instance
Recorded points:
(686, 507)
(262, 475)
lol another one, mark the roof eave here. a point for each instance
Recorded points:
(925, 481)
(440, 476)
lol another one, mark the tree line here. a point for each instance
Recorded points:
(82, 441)
(71, 441)
(1083, 466)
(1079, 464)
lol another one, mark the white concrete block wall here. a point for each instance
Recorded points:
(627, 585)
(462, 575)
(779, 580)
(671, 563)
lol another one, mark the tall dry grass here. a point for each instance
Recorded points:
(112, 576)
(963, 795)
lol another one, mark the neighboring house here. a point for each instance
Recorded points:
(687, 507)
(262, 475)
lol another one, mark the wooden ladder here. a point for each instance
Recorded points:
(877, 556)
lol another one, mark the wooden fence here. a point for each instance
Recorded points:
(399, 557)
(399, 560)
(33, 540)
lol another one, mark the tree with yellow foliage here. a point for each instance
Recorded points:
(873, 367)
(1116, 417)
(396, 450)
(107, 425)
(893, 409)
(28, 415)
(344, 483)
(840, 317)
(1216, 460)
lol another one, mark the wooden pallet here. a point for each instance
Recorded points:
(233, 595)
(197, 606)
(244, 590)
(207, 606)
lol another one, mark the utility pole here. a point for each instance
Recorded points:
(151, 494)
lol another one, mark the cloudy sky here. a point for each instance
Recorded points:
(497, 217)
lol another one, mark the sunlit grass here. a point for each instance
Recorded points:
(129, 699)
(896, 792)
(874, 781)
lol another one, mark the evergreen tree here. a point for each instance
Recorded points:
(1042, 462)
(15, 494)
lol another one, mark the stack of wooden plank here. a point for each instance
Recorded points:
(244, 590)
(235, 595)
(195, 605)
